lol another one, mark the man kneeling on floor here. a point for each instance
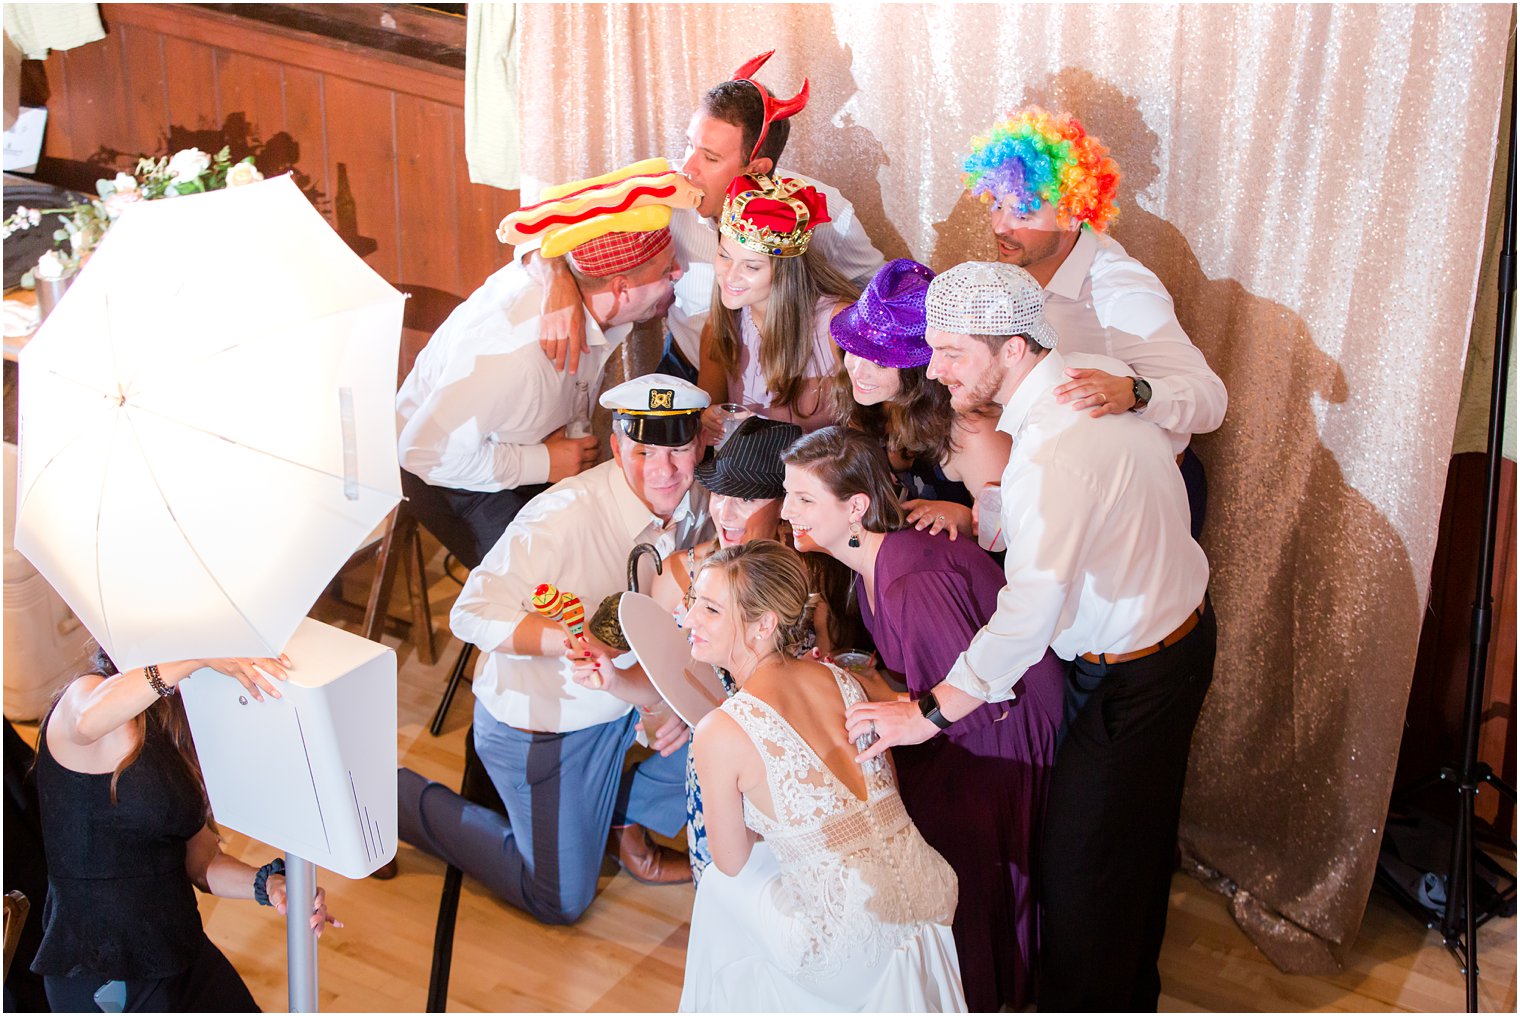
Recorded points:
(553, 748)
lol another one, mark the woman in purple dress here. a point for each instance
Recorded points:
(978, 793)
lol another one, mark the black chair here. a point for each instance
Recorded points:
(456, 675)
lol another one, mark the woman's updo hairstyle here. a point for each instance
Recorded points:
(765, 576)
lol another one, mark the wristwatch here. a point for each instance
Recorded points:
(1142, 394)
(929, 706)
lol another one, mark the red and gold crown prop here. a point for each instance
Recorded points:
(775, 109)
(772, 216)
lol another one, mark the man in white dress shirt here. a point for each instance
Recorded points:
(482, 414)
(735, 131)
(554, 748)
(1051, 186)
(1101, 568)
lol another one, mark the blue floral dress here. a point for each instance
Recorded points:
(696, 825)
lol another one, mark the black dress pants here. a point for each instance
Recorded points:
(1111, 824)
(467, 522)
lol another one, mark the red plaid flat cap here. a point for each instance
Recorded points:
(615, 253)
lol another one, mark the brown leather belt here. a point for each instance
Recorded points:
(1188, 624)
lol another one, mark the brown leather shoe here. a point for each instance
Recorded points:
(386, 871)
(645, 860)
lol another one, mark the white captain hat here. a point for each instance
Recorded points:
(657, 409)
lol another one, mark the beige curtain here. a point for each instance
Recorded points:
(1311, 183)
(1477, 383)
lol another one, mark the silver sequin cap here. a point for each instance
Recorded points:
(985, 298)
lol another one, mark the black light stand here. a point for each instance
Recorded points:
(1459, 918)
(1459, 925)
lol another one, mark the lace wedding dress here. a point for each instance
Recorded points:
(843, 907)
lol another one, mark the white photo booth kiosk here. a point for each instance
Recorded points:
(312, 773)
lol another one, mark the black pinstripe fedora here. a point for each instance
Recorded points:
(749, 463)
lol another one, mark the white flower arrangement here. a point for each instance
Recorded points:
(83, 224)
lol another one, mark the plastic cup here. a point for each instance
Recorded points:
(732, 415)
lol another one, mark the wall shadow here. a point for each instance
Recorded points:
(279, 153)
(1293, 759)
(276, 155)
(826, 144)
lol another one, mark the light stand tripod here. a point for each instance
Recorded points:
(1459, 925)
(1460, 919)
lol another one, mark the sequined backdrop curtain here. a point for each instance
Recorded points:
(1311, 183)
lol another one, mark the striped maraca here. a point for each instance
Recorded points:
(562, 608)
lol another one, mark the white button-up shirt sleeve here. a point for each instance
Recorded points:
(1186, 395)
(499, 592)
(1100, 558)
(1061, 507)
(450, 440)
(482, 397)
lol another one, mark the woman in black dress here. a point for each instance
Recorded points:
(128, 833)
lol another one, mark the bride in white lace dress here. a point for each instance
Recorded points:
(822, 895)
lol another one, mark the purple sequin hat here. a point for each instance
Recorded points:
(886, 325)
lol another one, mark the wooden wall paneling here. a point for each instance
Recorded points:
(57, 141)
(479, 251)
(294, 48)
(1496, 739)
(475, 207)
(93, 116)
(506, 203)
(1437, 696)
(425, 184)
(481, 208)
(307, 127)
(361, 156)
(190, 85)
(144, 99)
(253, 87)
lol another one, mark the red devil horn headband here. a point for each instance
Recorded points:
(775, 109)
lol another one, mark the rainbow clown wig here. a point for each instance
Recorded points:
(1034, 157)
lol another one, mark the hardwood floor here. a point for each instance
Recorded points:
(627, 953)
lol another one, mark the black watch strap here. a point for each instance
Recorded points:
(929, 706)
(1142, 391)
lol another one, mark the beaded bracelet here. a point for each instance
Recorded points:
(261, 880)
(164, 690)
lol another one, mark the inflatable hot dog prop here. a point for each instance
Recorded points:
(634, 199)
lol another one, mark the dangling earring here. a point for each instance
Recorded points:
(854, 534)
